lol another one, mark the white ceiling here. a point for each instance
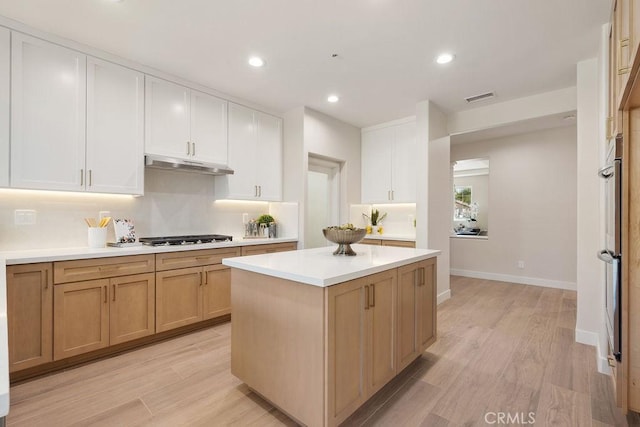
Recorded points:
(386, 49)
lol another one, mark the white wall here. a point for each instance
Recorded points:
(174, 203)
(532, 210)
(590, 308)
(327, 137)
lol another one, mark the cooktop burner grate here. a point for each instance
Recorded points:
(184, 240)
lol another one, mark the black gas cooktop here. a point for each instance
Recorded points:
(184, 240)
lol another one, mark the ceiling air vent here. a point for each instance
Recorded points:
(480, 97)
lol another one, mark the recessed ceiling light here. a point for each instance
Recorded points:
(444, 58)
(333, 98)
(256, 61)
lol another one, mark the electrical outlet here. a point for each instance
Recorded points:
(24, 217)
(520, 264)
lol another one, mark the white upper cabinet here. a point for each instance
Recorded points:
(388, 164)
(48, 102)
(5, 88)
(255, 155)
(208, 128)
(115, 128)
(184, 123)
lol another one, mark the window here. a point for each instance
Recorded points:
(463, 202)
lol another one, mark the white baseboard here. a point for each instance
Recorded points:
(586, 337)
(443, 296)
(591, 338)
(557, 284)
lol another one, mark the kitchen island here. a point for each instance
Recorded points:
(317, 335)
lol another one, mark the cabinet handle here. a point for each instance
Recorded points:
(114, 292)
(259, 190)
(393, 195)
(105, 294)
(188, 148)
(90, 178)
(206, 281)
(366, 297)
(373, 295)
(193, 148)
(255, 191)
(421, 276)
(81, 177)
(46, 278)
(201, 278)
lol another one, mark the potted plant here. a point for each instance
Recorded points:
(375, 219)
(269, 227)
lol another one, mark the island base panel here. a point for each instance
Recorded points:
(277, 342)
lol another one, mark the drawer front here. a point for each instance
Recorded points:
(197, 258)
(267, 249)
(100, 268)
(399, 243)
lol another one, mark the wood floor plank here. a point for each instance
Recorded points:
(562, 407)
(408, 408)
(127, 414)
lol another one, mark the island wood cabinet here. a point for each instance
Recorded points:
(361, 341)
(255, 155)
(343, 342)
(29, 315)
(416, 317)
(200, 290)
(106, 306)
(388, 164)
(184, 123)
(90, 110)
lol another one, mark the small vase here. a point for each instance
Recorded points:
(374, 229)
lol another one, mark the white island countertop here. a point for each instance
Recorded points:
(319, 267)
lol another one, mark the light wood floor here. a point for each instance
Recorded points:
(501, 348)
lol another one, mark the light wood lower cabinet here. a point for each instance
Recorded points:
(132, 312)
(29, 315)
(416, 316)
(178, 298)
(385, 242)
(189, 295)
(361, 341)
(216, 291)
(94, 314)
(269, 248)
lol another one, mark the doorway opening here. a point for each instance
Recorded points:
(323, 199)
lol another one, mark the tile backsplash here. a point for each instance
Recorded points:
(174, 203)
(398, 222)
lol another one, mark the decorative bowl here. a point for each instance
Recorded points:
(344, 239)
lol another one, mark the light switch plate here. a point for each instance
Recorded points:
(25, 217)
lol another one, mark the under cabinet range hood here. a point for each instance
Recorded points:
(170, 163)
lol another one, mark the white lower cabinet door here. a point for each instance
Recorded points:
(48, 88)
(115, 129)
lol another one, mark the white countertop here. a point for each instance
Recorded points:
(319, 267)
(469, 236)
(63, 254)
(4, 344)
(403, 238)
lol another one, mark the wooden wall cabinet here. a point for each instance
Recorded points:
(29, 315)
(199, 292)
